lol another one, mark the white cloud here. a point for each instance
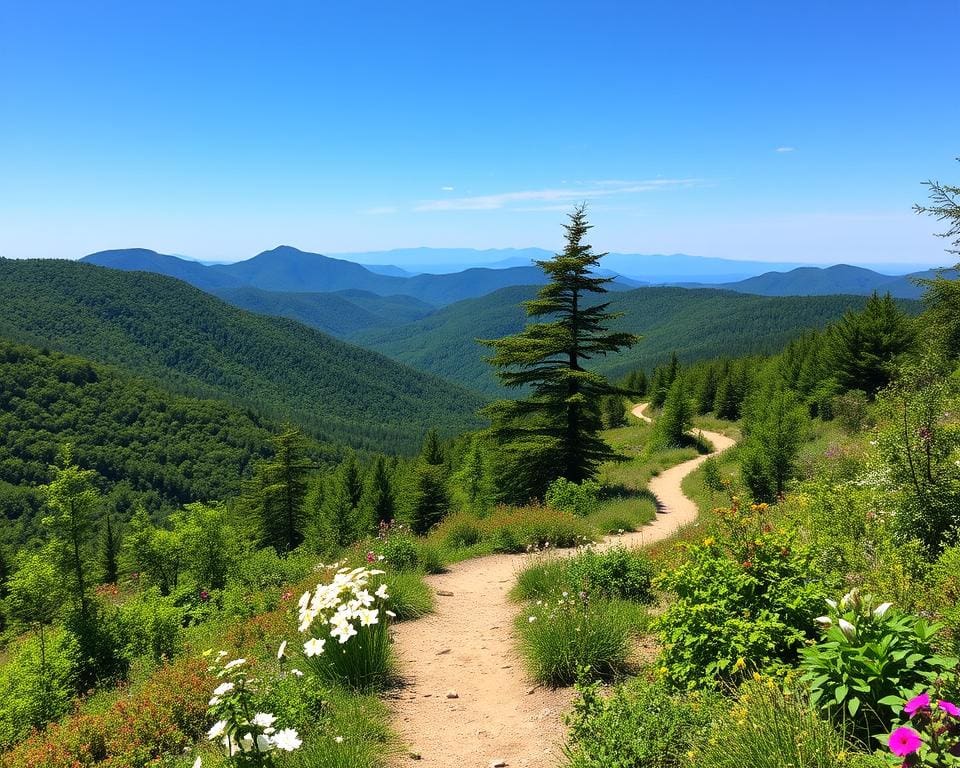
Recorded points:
(785, 149)
(556, 196)
(447, 189)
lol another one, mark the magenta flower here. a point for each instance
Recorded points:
(904, 741)
(917, 703)
(950, 708)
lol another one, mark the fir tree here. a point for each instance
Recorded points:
(676, 417)
(379, 502)
(280, 489)
(432, 451)
(554, 431)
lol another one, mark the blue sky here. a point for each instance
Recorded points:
(764, 130)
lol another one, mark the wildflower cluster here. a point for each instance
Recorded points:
(248, 737)
(346, 621)
(870, 658)
(933, 736)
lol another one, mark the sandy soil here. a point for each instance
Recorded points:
(467, 700)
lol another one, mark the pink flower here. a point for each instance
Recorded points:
(904, 741)
(917, 703)
(950, 708)
(371, 556)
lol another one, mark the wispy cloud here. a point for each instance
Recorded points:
(785, 149)
(566, 195)
(447, 189)
(382, 210)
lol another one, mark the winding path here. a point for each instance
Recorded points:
(468, 701)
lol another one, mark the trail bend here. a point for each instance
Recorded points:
(466, 649)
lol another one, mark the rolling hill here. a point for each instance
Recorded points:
(696, 323)
(195, 344)
(823, 281)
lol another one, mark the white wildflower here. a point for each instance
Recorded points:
(282, 650)
(217, 730)
(288, 740)
(314, 646)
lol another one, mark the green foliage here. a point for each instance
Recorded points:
(474, 479)
(378, 502)
(773, 430)
(862, 347)
(579, 499)
(918, 443)
(748, 598)
(851, 410)
(190, 342)
(278, 491)
(410, 597)
(432, 500)
(560, 417)
(640, 725)
(870, 660)
(675, 418)
(72, 500)
(943, 594)
(97, 645)
(768, 728)
(616, 573)
(525, 529)
(613, 414)
(569, 637)
(35, 686)
(152, 625)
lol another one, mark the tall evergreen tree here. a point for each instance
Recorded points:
(862, 346)
(554, 431)
(379, 501)
(111, 548)
(432, 451)
(676, 417)
(279, 491)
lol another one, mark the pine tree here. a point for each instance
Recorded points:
(676, 417)
(473, 478)
(279, 491)
(862, 346)
(612, 412)
(431, 499)
(379, 501)
(432, 451)
(554, 432)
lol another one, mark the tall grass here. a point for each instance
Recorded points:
(565, 638)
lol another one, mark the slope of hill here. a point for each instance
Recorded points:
(697, 324)
(144, 260)
(338, 313)
(822, 281)
(198, 345)
(162, 449)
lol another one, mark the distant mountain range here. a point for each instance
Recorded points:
(841, 278)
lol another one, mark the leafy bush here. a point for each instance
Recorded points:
(562, 638)
(400, 552)
(32, 694)
(639, 725)
(616, 573)
(747, 598)
(152, 625)
(577, 499)
(460, 530)
(869, 661)
(767, 728)
(943, 594)
(851, 410)
(98, 648)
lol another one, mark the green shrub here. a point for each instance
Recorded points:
(616, 573)
(640, 725)
(460, 530)
(747, 599)
(577, 499)
(400, 552)
(870, 660)
(32, 694)
(766, 728)
(152, 625)
(944, 594)
(98, 645)
(561, 638)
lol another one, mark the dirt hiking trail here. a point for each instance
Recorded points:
(467, 700)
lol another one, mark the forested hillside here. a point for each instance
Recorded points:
(195, 344)
(146, 445)
(696, 324)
